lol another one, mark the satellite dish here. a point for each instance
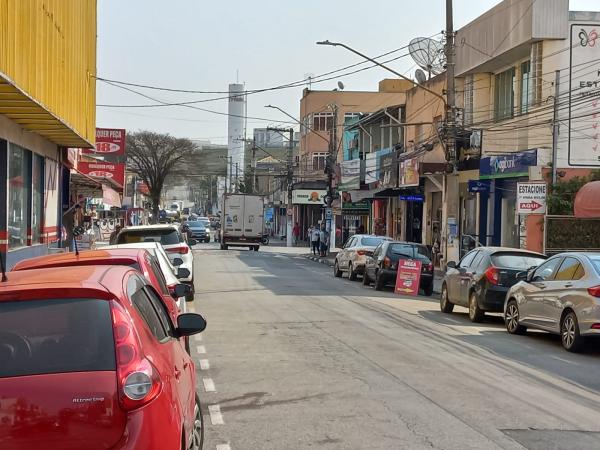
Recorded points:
(420, 76)
(341, 85)
(428, 54)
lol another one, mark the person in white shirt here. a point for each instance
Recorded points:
(314, 239)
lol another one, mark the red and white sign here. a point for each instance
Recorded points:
(408, 277)
(113, 171)
(531, 198)
(109, 141)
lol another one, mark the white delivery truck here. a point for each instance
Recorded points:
(242, 221)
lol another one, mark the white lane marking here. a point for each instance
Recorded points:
(215, 415)
(209, 385)
(198, 337)
(453, 320)
(565, 360)
(201, 349)
(223, 447)
(204, 364)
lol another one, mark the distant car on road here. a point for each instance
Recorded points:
(173, 242)
(90, 359)
(200, 229)
(482, 278)
(353, 256)
(382, 264)
(561, 296)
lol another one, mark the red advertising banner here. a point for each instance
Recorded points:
(109, 141)
(408, 277)
(113, 171)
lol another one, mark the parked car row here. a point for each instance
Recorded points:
(376, 259)
(560, 294)
(103, 334)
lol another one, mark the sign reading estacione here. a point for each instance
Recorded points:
(531, 198)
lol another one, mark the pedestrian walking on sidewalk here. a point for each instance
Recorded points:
(314, 240)
(296, 233)
(324, 241)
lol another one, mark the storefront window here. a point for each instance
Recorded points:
(37, 182)
(18, 195)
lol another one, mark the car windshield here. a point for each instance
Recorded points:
(412, 250)
(371, 241)
(166, 236)
(517, 260)
(197, 224)
(52, 336)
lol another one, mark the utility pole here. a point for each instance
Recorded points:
(555, 126)
(450, 211)
(290, 187)
(254, 166)
(331, 158)
(237, 180)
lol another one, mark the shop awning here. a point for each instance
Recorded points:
(96, 187)
(31, 115)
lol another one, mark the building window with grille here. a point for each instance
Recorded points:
(504, 94)
(322, 121)
(525, 87)
(318, 160)
(536, 73)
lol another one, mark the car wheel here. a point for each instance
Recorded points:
(570, 336)
(379, 284)
(428, 289)
(198, 430)
(336, 270)
(351, 273)
(511, 319)
(476, 314)
(256, 247)
(366, 281)
(445, 304)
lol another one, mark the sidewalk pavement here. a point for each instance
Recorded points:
(330, 260)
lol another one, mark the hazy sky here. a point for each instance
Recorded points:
(202, 45)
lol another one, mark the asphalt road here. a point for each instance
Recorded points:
(294, 358)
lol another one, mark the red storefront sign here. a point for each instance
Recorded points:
(114, 171)
(109, 141)
(408, 277)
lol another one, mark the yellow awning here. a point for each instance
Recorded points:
(27, 112)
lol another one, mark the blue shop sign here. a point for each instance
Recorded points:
(479, 185)
(413, 198)
(507, 166)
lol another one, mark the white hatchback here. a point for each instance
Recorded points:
(174, 243)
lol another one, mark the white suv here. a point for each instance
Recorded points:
(174, 243)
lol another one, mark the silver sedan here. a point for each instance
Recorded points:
(561, 296)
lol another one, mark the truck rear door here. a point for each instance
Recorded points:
(253, 216)
(233, 215)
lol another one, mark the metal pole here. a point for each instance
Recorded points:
(237, 185)
(331, 157)
(450, 180)
(555, 126)
(290, 185)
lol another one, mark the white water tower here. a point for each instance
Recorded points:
(236, 134)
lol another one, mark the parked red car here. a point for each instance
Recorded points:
(89, 359)
(137, 258)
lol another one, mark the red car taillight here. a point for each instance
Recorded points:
(427, 268)
(492, 275)
(360, 252)
(387, 262)
(594, 291)
(139, 381)
(181, 250)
